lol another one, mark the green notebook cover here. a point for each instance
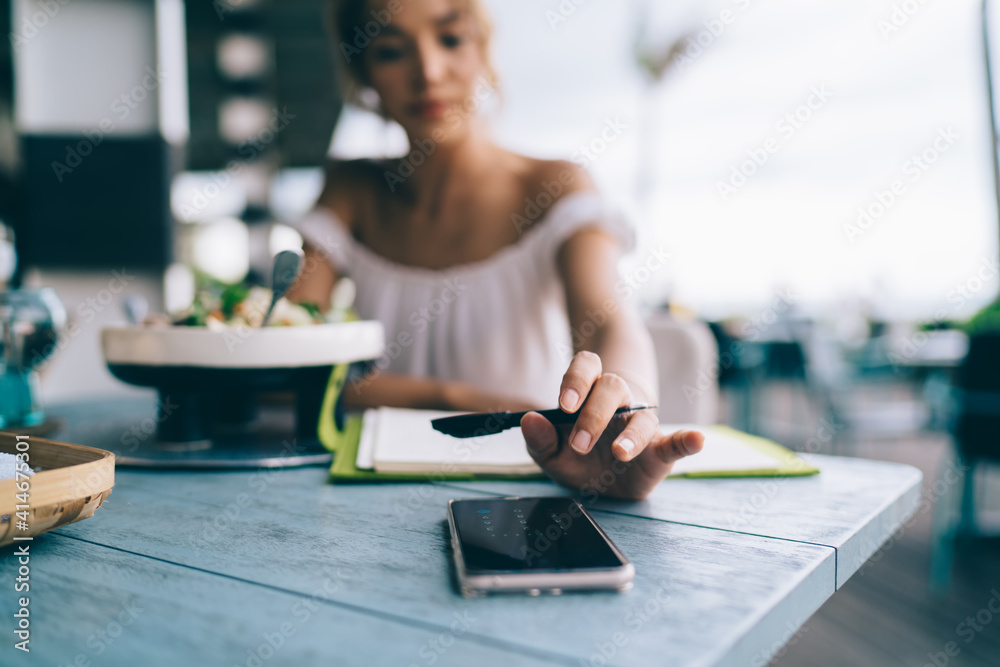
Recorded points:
(343, 440)
(791, 465)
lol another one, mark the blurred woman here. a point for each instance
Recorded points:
(494, 273)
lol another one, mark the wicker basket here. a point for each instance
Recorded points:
(73, 482)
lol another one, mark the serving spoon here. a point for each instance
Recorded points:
(287, 265)
(135, 307)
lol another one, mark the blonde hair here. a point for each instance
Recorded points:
(349, 20)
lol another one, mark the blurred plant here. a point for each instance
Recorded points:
(940, 325)
(986, 320)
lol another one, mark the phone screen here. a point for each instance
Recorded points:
(529, 534)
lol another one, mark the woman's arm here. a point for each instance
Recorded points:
(613, 366)
(342, 185)
(403, 391)
(588, 266)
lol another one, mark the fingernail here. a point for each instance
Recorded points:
(569, 399)
(627, 446)
(581, 441)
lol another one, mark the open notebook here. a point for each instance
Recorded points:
(395, 440)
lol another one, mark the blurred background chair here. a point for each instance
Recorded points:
(688, 369)
(976, 437)
(977, 420)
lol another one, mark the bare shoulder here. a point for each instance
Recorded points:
(348, 187)
(542, 183)
(589, 246)
(557, 176)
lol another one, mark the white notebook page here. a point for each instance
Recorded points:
(721, 452)
(406, 442)
(402, 440)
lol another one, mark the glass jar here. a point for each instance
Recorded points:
(30, 322)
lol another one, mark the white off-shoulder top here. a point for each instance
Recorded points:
(499, 324)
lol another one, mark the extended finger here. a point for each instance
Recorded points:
(583, 371)
(610, 392)
(642, 429)
(673, 447)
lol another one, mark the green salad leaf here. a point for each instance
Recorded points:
(232, 296)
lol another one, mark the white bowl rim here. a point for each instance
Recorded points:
(270, 347)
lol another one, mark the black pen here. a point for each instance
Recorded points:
(489, 423)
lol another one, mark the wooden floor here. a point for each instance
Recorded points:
(886, 614)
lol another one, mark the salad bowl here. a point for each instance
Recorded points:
(209, 379)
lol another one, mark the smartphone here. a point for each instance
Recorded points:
(534, 546)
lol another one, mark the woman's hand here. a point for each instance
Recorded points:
(603, 454)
